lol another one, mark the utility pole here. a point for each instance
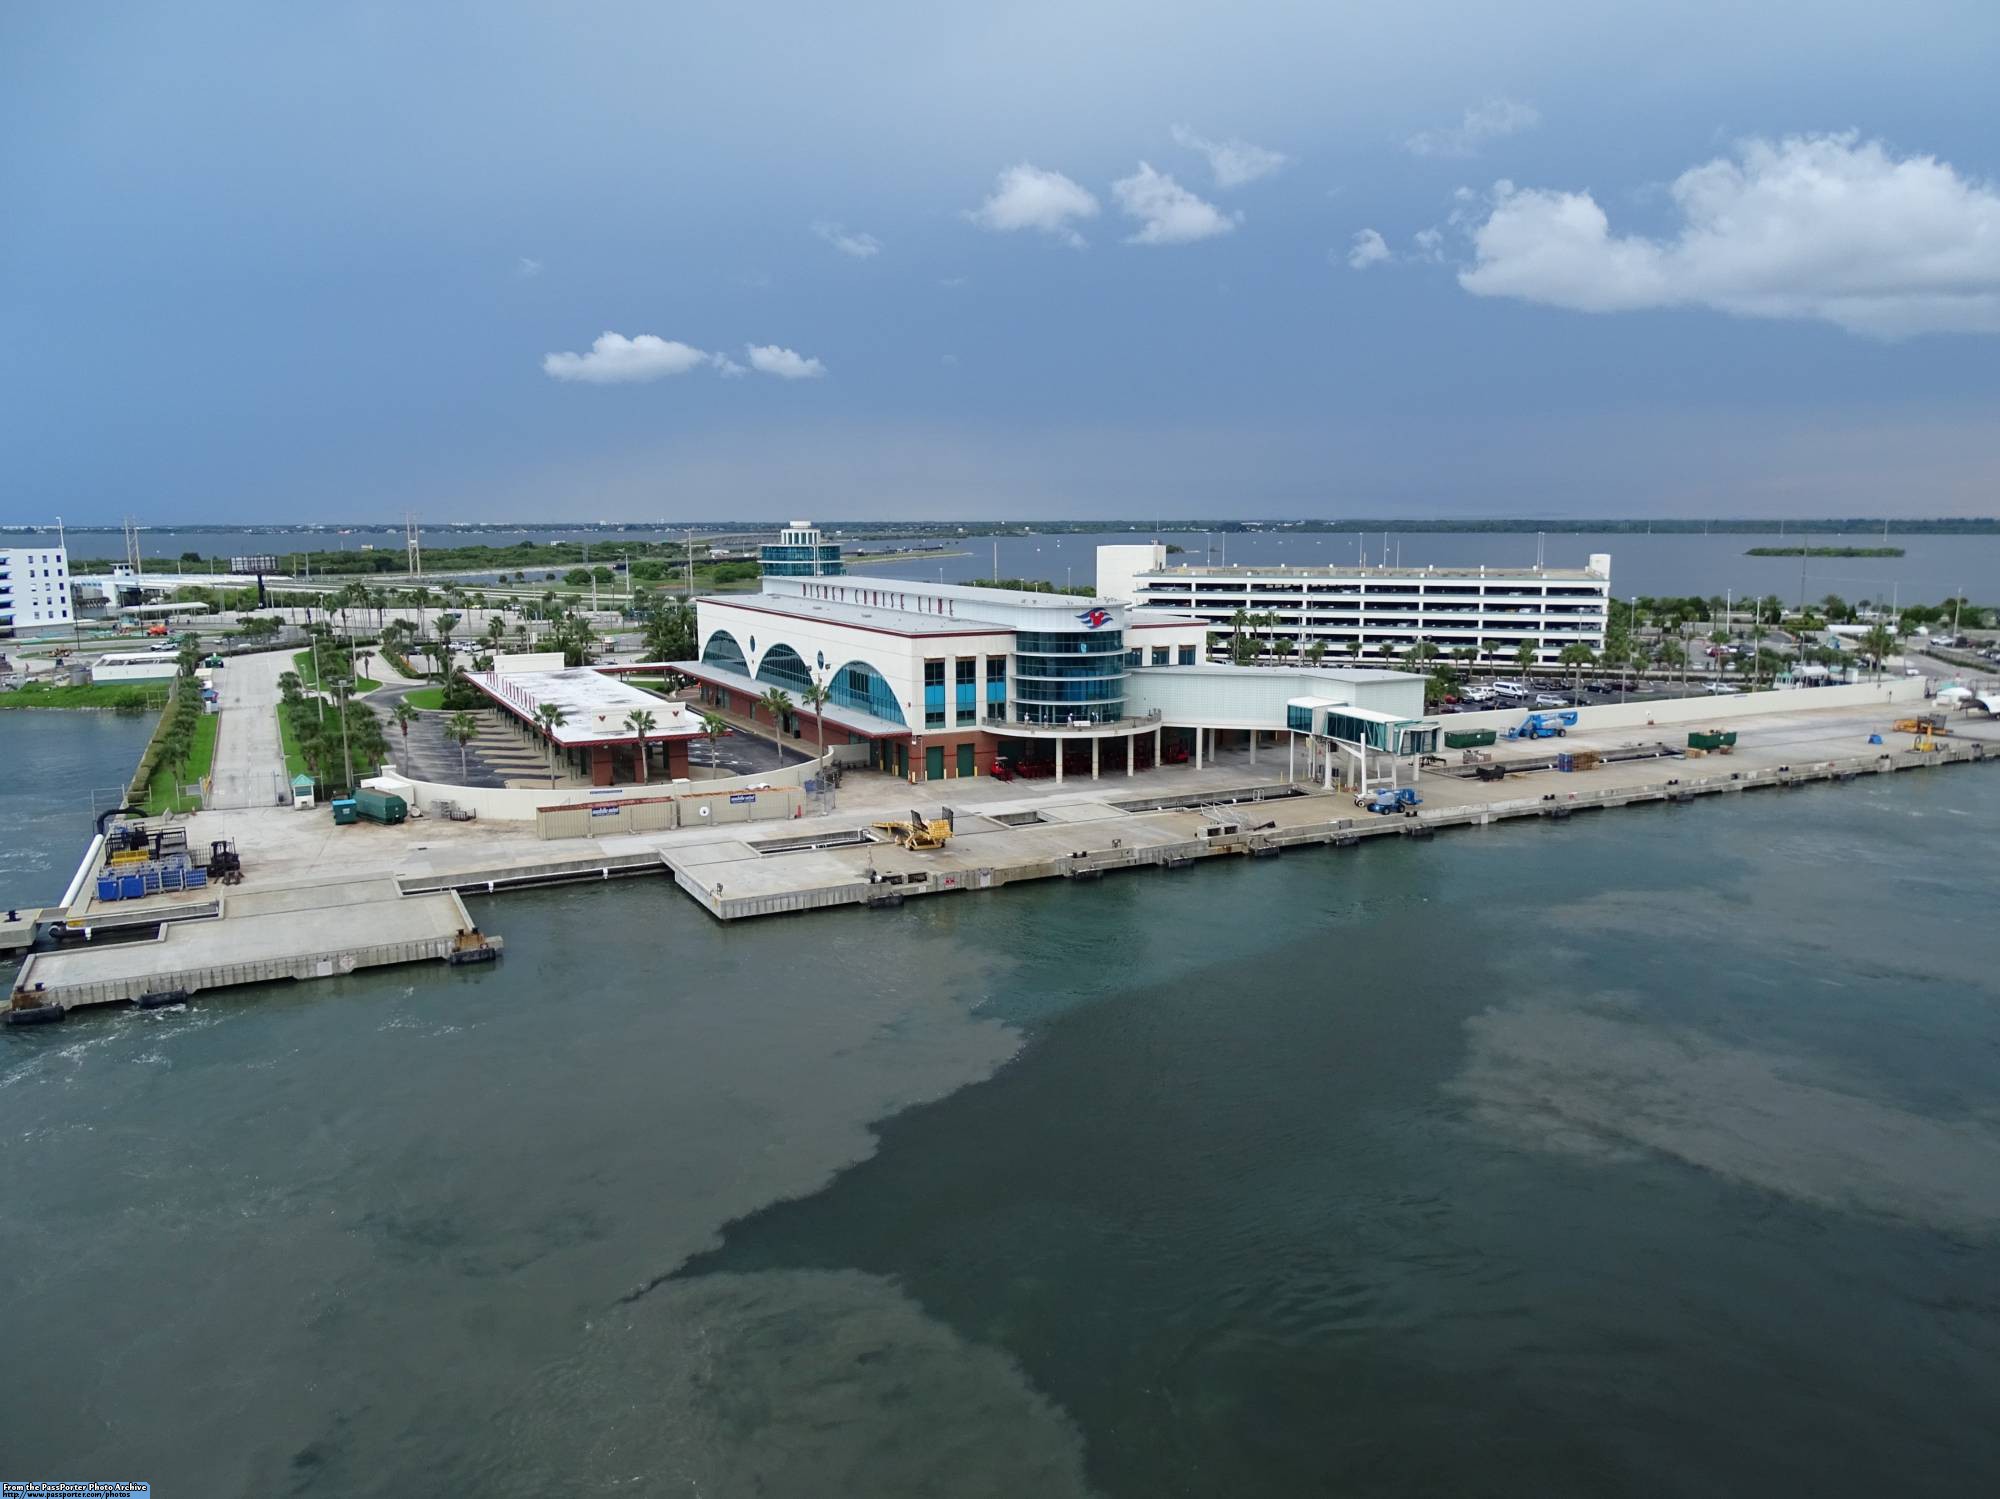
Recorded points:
(412, 543)
(346, 750)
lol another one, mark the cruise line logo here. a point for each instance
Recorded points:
(1093, 618)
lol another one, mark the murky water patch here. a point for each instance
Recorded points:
(1616, 1087)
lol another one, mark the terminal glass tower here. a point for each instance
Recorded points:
(799, 552)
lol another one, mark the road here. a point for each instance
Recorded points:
(249, 769)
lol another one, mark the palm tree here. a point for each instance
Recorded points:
(815, 697)
(1316, 652)
(1878, 642)
(446, 623)
(642, 723)
(1238, 622)
(461, 729)
(551, 717)
(1577, 655)
(1524, 655)
(713, 727)
(405, 715)
(779, 702)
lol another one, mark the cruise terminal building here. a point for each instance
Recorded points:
(940, 681)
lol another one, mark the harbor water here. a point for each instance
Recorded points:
(57, 767)
(1649, 1154)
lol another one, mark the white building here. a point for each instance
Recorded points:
(1374, 613)
(34, 590)
(135, 666)
(941, 680)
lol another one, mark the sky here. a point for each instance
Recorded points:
(621, 261)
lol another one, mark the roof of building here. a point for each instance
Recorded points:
(861, 616)
(594, 705)
(1335, 570)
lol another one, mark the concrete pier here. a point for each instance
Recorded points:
(736, 879)
(301, 932)
(320, 900)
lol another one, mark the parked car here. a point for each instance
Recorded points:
(1550, 700)
(1514, 692)
(1724, 689)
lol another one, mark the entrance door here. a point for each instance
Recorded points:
(902, 760)
(964, 760)
(934, 763)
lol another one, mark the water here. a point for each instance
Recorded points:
(1655, 1153)
(51, 763)
(1933, 567)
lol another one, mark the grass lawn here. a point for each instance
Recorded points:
(303, 664)
(135, 696)
(430, 698)
(164, 795)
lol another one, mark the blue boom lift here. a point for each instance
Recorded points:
(1543, 726)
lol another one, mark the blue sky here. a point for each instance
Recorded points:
(1544, 259)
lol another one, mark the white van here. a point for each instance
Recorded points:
(1478, 694)
(1514, 692)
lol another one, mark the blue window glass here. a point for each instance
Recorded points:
(783, 667)
(859, 686)
(723, 651)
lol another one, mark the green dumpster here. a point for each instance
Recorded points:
(344, 811)
(1467, 738)
(1712, 739)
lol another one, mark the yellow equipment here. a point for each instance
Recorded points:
(1928, 727)
(919, 832)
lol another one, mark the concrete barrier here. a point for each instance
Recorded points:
(523, 804)
(1596, 717)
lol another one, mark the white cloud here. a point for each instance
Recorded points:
(786, 364)
(1368, 249)
(1429, 245)
(1026, 197)
(1168, 213)
(1234, 162)
(615, 359)
(1823, 226)
(1480, 124)
(860, 246)
(525, 268)
(728, 368)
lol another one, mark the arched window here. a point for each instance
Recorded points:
(859, 686)
(782, 667)
(723, 651)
